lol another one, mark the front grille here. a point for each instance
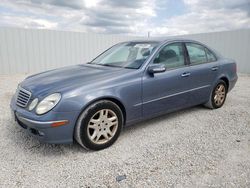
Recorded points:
(23, 97)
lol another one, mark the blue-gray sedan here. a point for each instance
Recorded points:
(129, 82)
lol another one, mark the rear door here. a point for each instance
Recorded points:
(203, 71)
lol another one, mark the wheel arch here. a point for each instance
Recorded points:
(226, 80)
(109, 98)
(223, 78)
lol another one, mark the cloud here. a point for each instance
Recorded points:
(26, 22)
(222, 4)
(75, 4)
(125, 4)
(207, 16)
(160, 17)
(112, 16)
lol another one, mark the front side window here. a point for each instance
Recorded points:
(197, 54)
(126, 55)
(171, 56)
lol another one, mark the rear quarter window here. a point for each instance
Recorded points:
(210, 56)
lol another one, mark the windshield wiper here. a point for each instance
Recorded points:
(130, 67)
(109, 65)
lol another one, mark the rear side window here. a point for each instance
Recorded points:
(210, 56)
(197, 54)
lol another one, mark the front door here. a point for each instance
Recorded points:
(169, 90)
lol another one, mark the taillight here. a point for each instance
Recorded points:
(235, 67)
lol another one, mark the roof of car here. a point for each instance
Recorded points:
(161, 40)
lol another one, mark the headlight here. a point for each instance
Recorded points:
(33, 104)
(48, 103)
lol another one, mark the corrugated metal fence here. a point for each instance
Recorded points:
(29, 50)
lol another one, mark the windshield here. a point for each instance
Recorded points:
(127, 55)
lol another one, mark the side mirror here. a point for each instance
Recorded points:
(156, 68)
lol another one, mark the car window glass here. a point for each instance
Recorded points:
(210, 56)
(171, 56)
(127, 55)
(196, 52)
(120, 55)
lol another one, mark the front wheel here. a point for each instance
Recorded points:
(218, 95)
(99, 126)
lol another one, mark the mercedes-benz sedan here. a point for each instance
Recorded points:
(129, 82)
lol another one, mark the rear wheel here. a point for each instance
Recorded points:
(218, 95)
(99, 126)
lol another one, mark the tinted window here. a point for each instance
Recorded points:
(171, 55)
(196, 52)
(210, 56)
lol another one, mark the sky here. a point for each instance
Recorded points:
(127, 17)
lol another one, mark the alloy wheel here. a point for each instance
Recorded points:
(102, 126)
(220, 94)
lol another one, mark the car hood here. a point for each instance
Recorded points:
(71, 77)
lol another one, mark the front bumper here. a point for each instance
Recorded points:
(41, 126)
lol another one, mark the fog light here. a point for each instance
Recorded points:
(41, 133)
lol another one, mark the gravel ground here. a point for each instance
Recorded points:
(196, 147)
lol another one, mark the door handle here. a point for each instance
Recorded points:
(214, 68)
(185, 74)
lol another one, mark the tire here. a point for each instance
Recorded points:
(217, 101)
(99, 126)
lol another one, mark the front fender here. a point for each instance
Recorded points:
(129, 95)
